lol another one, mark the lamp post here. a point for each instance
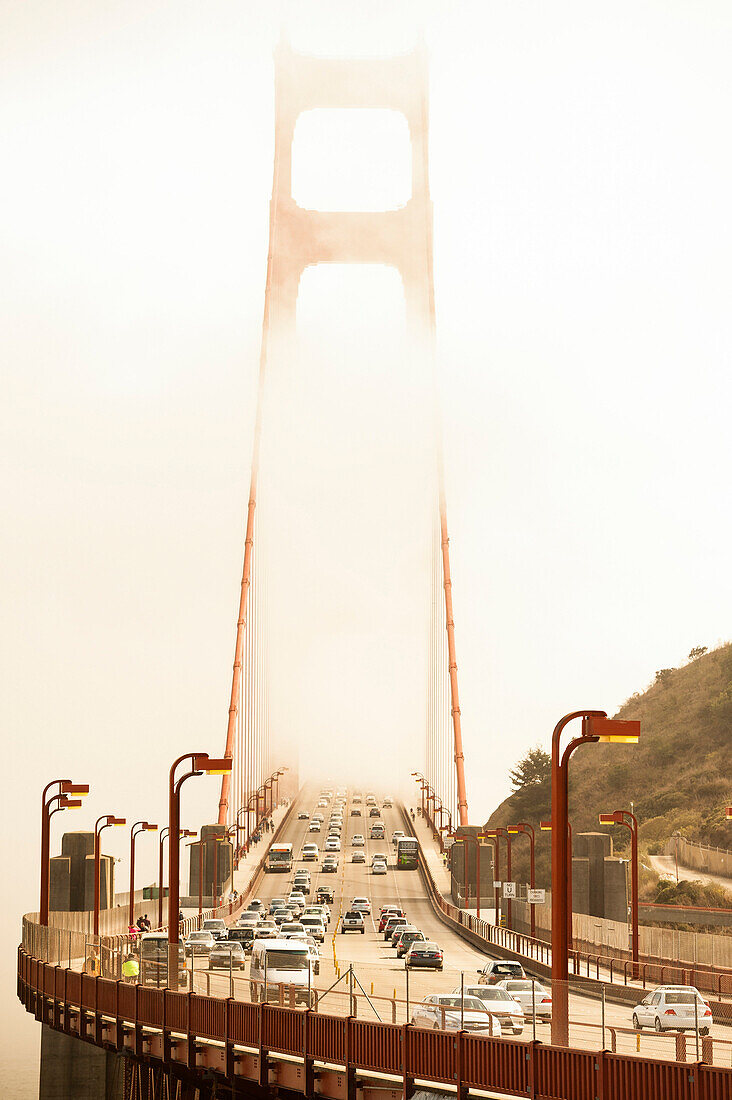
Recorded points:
(509, 904)
(419, 778)
(277, 774)
(200, 764)
(437, 828)
(446, 828)
(526, 829)
(546, 827)
(102, 823)
(248, 809)
(142, 827)
(496, 872)
(625, 817)
(161, 888)
(267, 785)
(476, 840)
(431, 797)
(239, 827)
(62, 802)
(596, 726)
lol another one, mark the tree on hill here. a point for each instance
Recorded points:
(531, 782)
(535, 768)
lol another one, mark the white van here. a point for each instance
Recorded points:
(280, 962)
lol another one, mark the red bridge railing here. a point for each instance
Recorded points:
(94, 1007)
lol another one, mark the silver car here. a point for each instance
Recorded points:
(200, 943)
(444, 1012)
(533, 997)
(353, 921)
(500, 1003)
(672, 1008)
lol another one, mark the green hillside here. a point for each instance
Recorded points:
(678, 778)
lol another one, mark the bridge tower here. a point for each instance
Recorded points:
(399, 238)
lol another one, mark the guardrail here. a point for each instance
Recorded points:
(181, 1028)
(537, 953)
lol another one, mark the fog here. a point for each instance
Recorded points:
(347, 497)
(580, 175)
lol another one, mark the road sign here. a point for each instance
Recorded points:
(509, 889)
(536, 897)
(448, 842)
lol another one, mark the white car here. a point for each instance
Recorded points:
(378, 866)
(199, 943)
(362, 904)
(358, 856)
(500, 1003)
(442, 1012)
(533, 997)
(303, 815)
(314, 827)
(396, 836)
(248, 920)
(310, 852)
(671, 1008)
(322, 911)
(314, 927)
(332, 844)
(357, 840)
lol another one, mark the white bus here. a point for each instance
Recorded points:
(279, 857)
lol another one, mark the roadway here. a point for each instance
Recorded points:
(375, 965)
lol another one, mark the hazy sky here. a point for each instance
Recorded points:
(581, 174)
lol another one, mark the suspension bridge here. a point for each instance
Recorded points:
(204, 1033)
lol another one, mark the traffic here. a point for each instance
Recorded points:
(352, 905)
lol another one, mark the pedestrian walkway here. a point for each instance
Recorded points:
(249, 863)
(433, 856)
(667, 866)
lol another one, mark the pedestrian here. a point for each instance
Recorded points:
(148, 925)
(130, 968)
(91, 963)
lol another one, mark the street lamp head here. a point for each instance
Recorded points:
(545, 826)
(69, 803)
(615, 818)
(729, 813)
(188, 832)
(148, 828)
(612, 730)
(117, 821)
(214, 765)
(78, 789)
(514, 830)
